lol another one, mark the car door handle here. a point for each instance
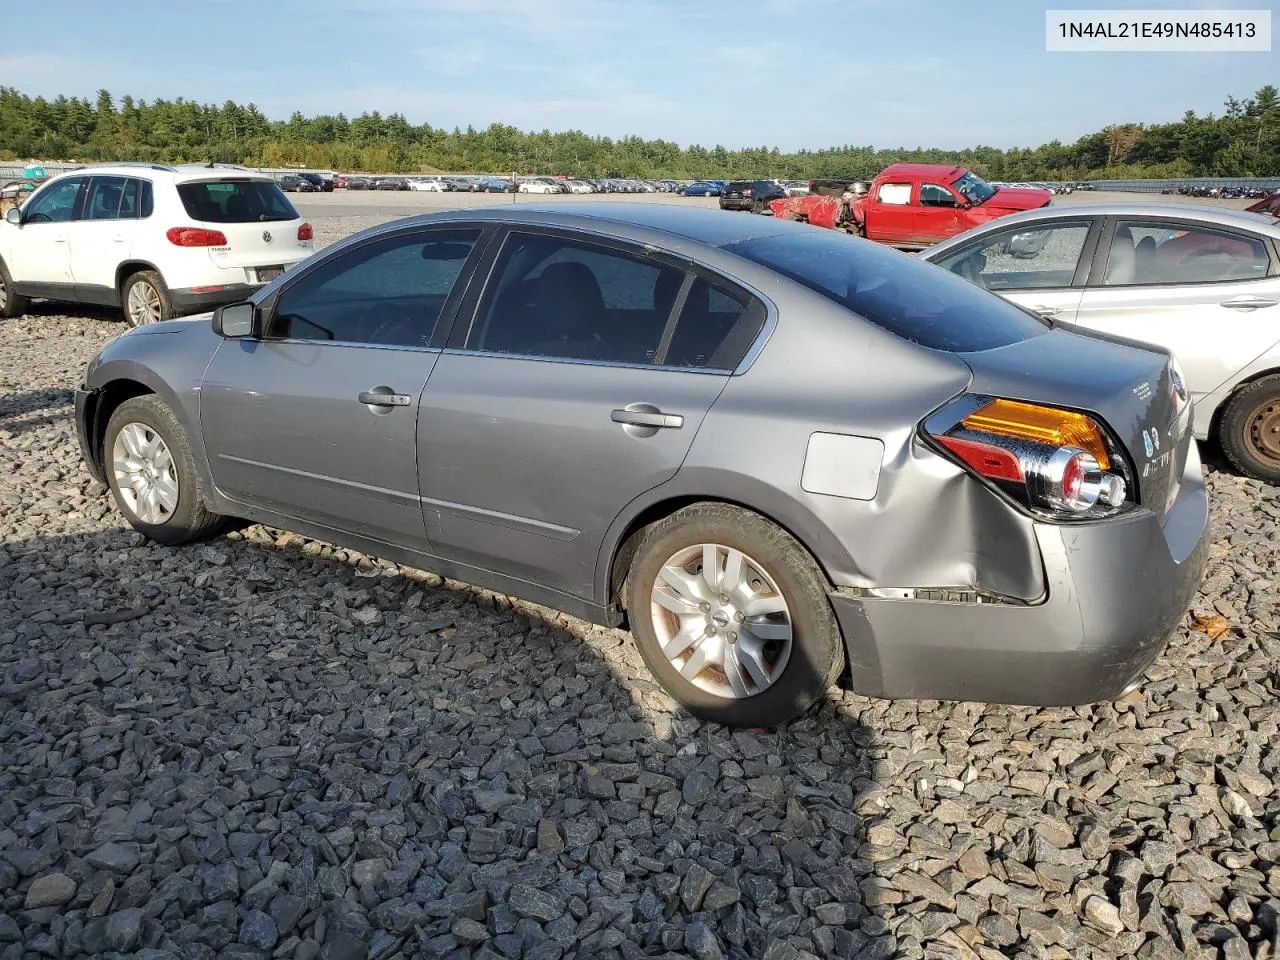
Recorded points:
(652, 417)
(1248, 303)
(1047, 312)
(378, 399)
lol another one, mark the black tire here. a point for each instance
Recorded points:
(757, 207)
(817, 649)
(1249, 429)
(12, 304)
(189, 520)
(156, 282)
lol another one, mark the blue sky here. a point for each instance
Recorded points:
(787, 73)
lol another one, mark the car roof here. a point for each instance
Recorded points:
(712, 227)
(922, 170)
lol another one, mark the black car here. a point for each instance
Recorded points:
(753, 195)
(322, 184)
(359, 183)
(393, 183)
(293, 183)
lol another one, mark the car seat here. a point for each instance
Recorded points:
(1145, 265)
(568, 313)
(1122, 262)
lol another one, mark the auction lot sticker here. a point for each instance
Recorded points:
(1154, 31)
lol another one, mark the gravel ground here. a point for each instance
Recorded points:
(265, 746)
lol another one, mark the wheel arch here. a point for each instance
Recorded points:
(1215, 419)
(627, 531)
(128, 269)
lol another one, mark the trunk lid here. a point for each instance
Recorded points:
(1125, 384)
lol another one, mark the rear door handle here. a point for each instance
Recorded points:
(375, 399)
(1047, 312)
(649, 417)
(1248, 303)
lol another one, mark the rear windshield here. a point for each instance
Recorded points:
(906, 296)
(235, 201)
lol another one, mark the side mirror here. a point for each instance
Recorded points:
(236, 320)
(13, 215)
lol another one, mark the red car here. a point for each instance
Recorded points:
(914, 205)
(1269, 205)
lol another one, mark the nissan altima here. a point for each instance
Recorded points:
(780, 456)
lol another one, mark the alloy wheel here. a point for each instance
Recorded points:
(144, 303)
(721, 620)
(145, 473)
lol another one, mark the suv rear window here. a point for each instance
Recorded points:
(906, 296)
(235, 201)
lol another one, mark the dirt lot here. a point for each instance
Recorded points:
(265, 746)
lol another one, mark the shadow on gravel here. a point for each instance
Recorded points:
(22, 412)
(263, 746)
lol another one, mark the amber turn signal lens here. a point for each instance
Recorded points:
(1027, 421)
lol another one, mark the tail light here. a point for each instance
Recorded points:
(305, 232)
(1058, 463)
(196, 237)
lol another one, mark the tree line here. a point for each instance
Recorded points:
(1243, 141)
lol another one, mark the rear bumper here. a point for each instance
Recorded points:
(187, 300)
(1116, 590)
(86, 405)
(735, 203)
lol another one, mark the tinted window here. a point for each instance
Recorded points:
(129, 199)
(902, 294)
(716, 327)
(552, 297)
(54, 204)
(103, 201)
(387, 292)
(933, 195)
(235, 201)
(148, 199)
(1147, 252)
(1030, 258)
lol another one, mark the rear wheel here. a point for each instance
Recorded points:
(146, 299)
(1250, 429)
(12, 303)
(731, 616)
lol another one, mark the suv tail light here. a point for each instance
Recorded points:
(305, 232)
(1058, 463)
(196, 237)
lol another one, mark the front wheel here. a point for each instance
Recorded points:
(1250, 429)
(152, 474)
(731, 616)
(12, 303)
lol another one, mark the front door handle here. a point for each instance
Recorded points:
(1047, 312)
(377, 398)
(647, 416)
(1248, 303)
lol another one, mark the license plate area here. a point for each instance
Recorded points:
(267, 274)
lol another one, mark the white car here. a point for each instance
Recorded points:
(539, 186)
(426, 184)
(1202, 282)
(578, 186)
(158, 240)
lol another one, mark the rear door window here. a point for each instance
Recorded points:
(1150, 252)
(235, 201)
(103, 202)
(904, 295)
(568, 299)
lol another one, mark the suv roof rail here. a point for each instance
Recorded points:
(132, 163)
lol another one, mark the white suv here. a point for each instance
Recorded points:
(160, 241)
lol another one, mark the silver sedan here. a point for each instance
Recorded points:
(772, 451)
(1200, 281)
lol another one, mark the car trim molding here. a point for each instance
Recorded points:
(496, 517)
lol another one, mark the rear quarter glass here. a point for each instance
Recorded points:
(914, 300)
